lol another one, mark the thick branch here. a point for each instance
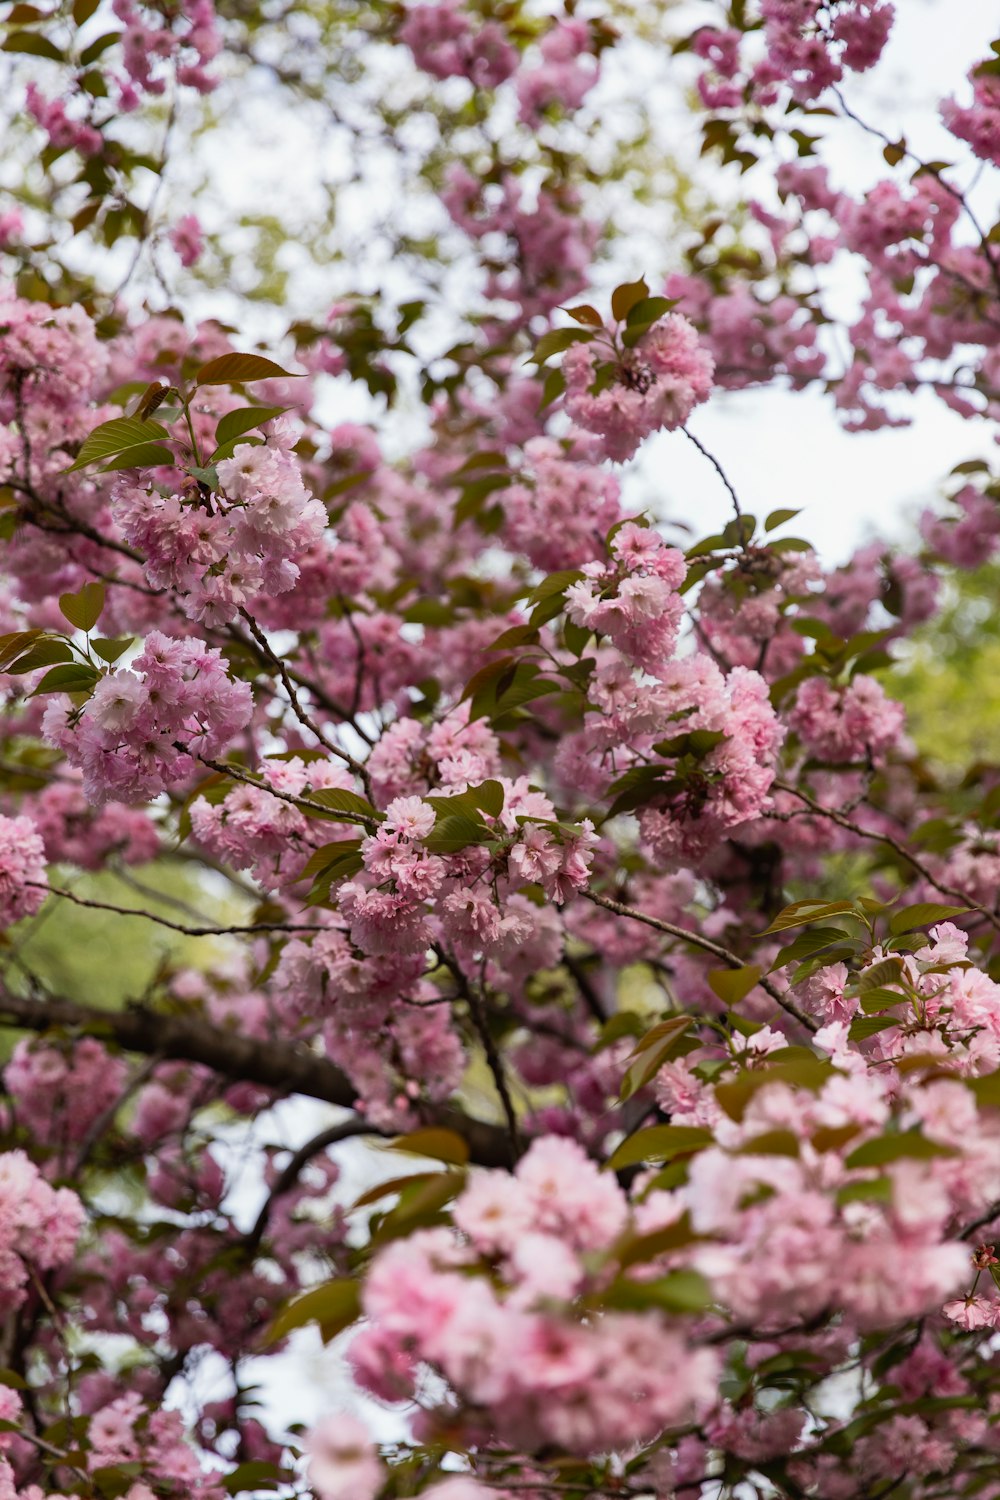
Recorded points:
(271, 1064)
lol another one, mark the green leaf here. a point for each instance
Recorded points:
(908, 1144)
(863, 1027)
(796, 1067)
(627, 296)
(778, 518)
(924, 914)
(44, 653)
(555, 583)
(334, 1306)
(770, 1143)
(83, 10)
(83, 609)
(733, 985)
(235, 423)
(678, 1292)
(141, 456)
(327, 855)
(455, 832)
(14, 643)
(659, 1143)
(70, 677)
(879, 999)
(337, 799)
(557, 340)
(801, 912)
(433, 1142)
(886, 971)
(96, 48)
(255, 1474)
(111, 437)
(239, 369)
(806, 944)
(110, 650)
(697, 742)
(642, 317)
(655, 1048)
(420, 1203)
(585, 314)
(636, 786)
(32, 42)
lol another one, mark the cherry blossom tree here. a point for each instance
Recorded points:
(585, 872)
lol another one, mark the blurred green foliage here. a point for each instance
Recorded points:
(949, 674)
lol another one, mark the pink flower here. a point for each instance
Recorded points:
(23, 876)
(343, 1463)
(188, 240)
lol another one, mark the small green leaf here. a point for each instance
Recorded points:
(455, 832)
(585, 314)
(733, 985)
(337, 799)
(32, 42)
(808, 943)
(328, 854)
(886, 971)
(658, 1143)
(334, 1306)
(433, 1142)
(239, 369)
(863, 1027)
(909, 1144)
(141, 456)
(801, 912)
(83, 609)
(110, 650)
(111, 437)
(683, 1291)
(235, 423)
(44, 653)
(655, 1048)
(627, 296)
(778, 518)
(70, 677)
(924, 914)
(557, 340)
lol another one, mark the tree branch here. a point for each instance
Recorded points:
(272, 1064)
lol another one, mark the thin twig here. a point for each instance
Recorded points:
(697, 941)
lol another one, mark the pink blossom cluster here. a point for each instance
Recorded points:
(187, 239)
(809, 44)
(564, 77)
(633, 600)
(39, 1226)
(979, 122)
(65, 132)
(23, 876)
(562, 510)
(551, 241)
(658, 383)
(143, 729)
(221, 559)
(514, 1342)
(387, 903)
(854, 723)
(965, 540)
(259, 827)
(59, 1093)
(187, 37)
(446, 42)
(74, 832)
